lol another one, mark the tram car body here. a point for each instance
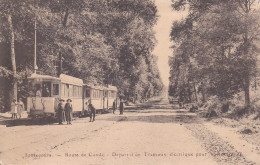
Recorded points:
(46, 91)
(100, 97)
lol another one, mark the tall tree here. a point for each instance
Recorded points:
(215, 35)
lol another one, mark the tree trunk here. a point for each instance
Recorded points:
(203, 92)
(246, 6)
(246, 90)
(195, 91)
(66, 16)
(11, 30)
(247, 78)
(189, 92)
(193, 83)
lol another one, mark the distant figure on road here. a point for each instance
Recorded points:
(114, 106)
(121, 107)
(20, 108)
(180, 104)
(61, 111)
(14, 109)
(92, 110)
(68, 111)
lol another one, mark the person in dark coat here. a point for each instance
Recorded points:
(68, 111)
(121, 107)
(61, 111)
(92, 110)
(114, 106)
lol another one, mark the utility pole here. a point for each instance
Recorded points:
(107, 89)
(35, 42)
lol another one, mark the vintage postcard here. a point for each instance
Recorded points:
(133, 82)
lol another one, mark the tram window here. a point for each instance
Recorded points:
(75, 90)
(62, 89)
(55, 89)
(31, 89)
(101, 94)
(46, 91)
(80, 91)
(94, 93)
(70, 90)
(38, 91)
(87, 93)
(114, 94)
(67, 90)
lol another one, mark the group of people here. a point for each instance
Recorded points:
(43, 93)
(121, 107)
(17, 108)
(92, 109)
(65, 111)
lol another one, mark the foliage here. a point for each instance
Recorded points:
(102, 42)
(215, 50)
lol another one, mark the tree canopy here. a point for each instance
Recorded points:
(215, 48)
(101, 42)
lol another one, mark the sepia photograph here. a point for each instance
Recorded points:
(132, 82)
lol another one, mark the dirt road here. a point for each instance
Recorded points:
(153, 133)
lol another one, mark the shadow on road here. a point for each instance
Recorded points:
(161, 106)
(159, 110)
(154, 104)
(158, 118)
(27, 122)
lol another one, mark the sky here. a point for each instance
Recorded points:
(162, 34)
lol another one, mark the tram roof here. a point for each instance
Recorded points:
(102, 87)
(110, 87)
(95, 87)
(71, 80)
(39, 76)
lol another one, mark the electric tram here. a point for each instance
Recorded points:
(46, 91)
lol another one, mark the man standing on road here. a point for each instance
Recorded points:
(61, 111)
(92, 111)
(114, 106)
(121, 107)
(68, 111)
